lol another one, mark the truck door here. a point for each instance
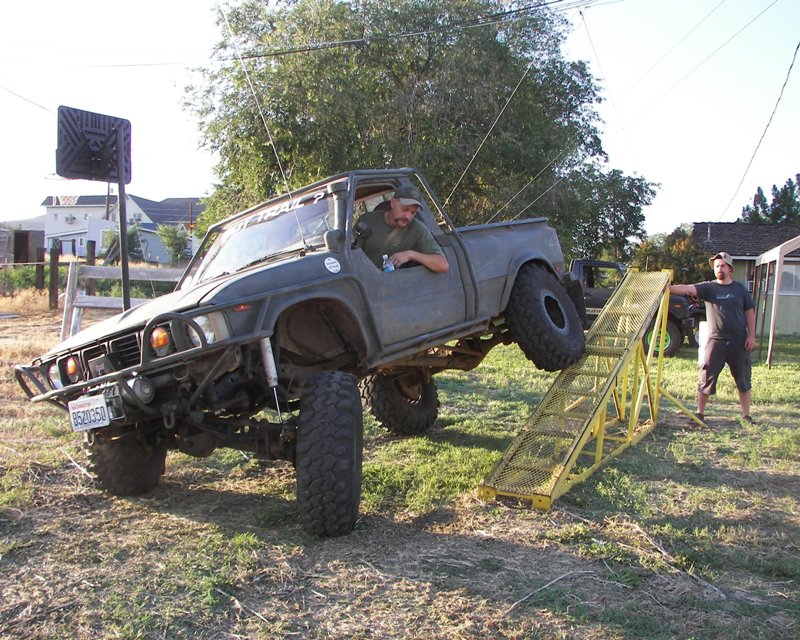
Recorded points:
(410, 302)
(598, 281)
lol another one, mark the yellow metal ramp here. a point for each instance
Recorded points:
(591, 413)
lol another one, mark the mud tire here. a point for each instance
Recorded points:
(126, 465)
(406, 404)
(329, 454)
(542, 320)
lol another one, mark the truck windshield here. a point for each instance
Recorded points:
(266, 233)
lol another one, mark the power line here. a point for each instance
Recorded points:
(21, 97)
(671, 49)
(702, 62)
(766, 128)
(494, 18)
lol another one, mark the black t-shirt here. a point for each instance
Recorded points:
(725, 307)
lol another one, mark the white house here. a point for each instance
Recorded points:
(75, 220)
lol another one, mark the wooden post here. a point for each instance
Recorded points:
(90, 260)
(55, 255)
(39, 269)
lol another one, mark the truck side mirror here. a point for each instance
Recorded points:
(333, 239)
(362, 230)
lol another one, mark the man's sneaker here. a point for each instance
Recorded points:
(748, 420)
(700, 417)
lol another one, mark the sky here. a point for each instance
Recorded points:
(689, 88)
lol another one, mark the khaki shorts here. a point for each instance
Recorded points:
(718, 353)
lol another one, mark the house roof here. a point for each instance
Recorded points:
(78, 201)
(171, 211)
(743, 239)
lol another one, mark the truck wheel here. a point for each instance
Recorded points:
(329, 453)
(406, 404)
(672, 341)
(542, 320)
(127, 465)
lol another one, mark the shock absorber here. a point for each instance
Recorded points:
(271, 371)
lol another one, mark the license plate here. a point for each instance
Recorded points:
(88, 412)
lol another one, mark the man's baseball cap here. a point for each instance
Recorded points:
(723, 256)
(408, 195)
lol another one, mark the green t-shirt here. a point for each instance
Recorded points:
(389, 240)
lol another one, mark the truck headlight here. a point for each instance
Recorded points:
(54, 376)
(213, 327)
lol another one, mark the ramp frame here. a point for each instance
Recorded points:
(593, 411)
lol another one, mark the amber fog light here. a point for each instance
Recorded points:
(72, 370)
(160, 341)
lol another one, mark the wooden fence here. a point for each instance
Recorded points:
(76, 299)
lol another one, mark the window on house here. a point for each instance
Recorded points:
(55, 216)
(790, 279)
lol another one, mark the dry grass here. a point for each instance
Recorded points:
(216, 551)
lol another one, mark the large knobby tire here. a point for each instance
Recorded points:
(329, 453)
(126, 465)
(406, 403)
(672, 340)
(542, 320)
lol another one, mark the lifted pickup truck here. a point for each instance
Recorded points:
(599, 278)
(281, 327)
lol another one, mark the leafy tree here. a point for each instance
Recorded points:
(420, 84)
(175, 239)
(676, 251)
(785, 205)
(599, 213)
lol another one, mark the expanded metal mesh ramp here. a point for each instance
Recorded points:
(597, 401)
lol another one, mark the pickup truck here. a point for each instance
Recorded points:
(599, 278)
(281, 330)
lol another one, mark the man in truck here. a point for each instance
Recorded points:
(398, 233)
(731, 316)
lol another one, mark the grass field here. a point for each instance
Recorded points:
(692, 533)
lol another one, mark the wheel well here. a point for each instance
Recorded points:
(319, 332)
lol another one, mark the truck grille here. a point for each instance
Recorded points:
(122, 351)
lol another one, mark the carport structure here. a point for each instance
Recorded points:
(768, 268)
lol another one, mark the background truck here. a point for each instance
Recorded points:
(599, 278)
(281, 328)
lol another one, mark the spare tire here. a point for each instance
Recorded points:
(542, 320)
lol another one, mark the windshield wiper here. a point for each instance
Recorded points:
(271, 258)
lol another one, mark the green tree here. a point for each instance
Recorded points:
(785, 205)
(175, 240)
(598, 213)
(676, 251)
(411, 83)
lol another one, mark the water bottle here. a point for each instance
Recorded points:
(387, 264)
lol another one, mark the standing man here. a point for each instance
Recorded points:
(398, 233)
(731, 317)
